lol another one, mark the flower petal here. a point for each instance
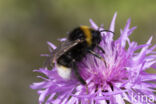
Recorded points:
(93, 24)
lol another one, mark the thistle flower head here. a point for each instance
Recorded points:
(121, 78)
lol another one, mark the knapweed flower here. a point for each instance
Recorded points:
(120, 79)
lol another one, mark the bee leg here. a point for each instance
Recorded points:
(76, 70)
(100, 48)
(98, 56)
(78, 75)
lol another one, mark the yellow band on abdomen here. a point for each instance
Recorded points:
(87, 33)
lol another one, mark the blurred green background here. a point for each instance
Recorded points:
(26, 25)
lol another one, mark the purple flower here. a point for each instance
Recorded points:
(123, 78)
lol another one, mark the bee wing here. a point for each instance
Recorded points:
(59, 51)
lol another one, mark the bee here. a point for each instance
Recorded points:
(80, 42)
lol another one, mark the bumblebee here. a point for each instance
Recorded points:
(80, 42)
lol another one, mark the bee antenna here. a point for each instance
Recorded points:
(107, 31)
